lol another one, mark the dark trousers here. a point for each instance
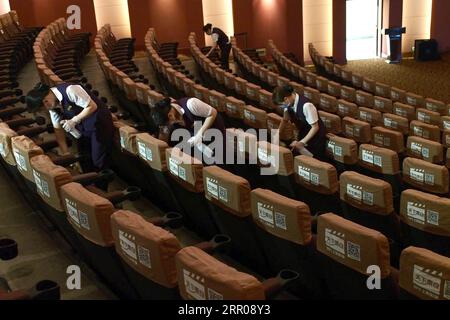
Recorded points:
(225, 56)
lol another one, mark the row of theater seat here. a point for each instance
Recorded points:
(340, 74)
(427, 119)
(149, 283)
(58, 53)
(360, 129)
(16, 49)
(140, 149)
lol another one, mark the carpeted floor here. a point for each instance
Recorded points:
(430, 79)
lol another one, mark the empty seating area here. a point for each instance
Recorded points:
(370, 220)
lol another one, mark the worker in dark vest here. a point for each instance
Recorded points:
(75, 110)
(170, 115)
(311, 140)
(221, 40)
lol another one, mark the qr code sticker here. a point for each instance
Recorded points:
(429, 179)
(2, 150)
(353, 251)
(149, 154)
(144, 257)
(280, 221)
(214, 295)
(182, 173)
(44, 187)
(338, 151)
(433, 217)
(378, 161)
(447, 290)
(426, 153)
(368, 198)
(315, 179)
(84, 220)
(223, 194)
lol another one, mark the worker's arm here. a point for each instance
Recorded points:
(60, 135)
(214, 47)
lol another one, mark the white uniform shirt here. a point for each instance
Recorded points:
(196, 107)
(76, 94)
(309, 110)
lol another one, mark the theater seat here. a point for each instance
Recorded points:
(229, 196)
(369, 202)
(90, 216)
(284, 231)
(381, 163)
(347, 251)
(425, 176)
(148, 254)
(424, 275)
(318, 185)
(424, 149)
(186, 181)
(332, 122)
(217, 280)
(342, 151)
(425, 221)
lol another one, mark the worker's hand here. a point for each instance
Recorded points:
(297, 145)
(69, 125)
(286, 116)
(195, 140)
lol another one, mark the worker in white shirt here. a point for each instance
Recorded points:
(76, 111)
(311, 140)
(221, 40)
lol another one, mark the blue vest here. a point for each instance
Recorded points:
(90, 124)
(223, 38)
(303, 126)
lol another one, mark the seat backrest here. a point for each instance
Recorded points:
(128, 139)
(352, 245)
(424, 130)
(426, 176)
(347, 109)
(424, 149)
(368, 85)
(235, 108)
(426, 212)
(49, 178)
(415, 99)
(425, 274)
(436, 106)
(185, 170)
(312, 94)
(255, 118)
(227, 191)
(203, 277)
(6, 151)
(331, 121)
(278, 158)
(342, 150)
(88, 213)
(404, 110)
(427, 116)
(398, 94)
(389, 139)
(371, 116)
(348, 93)
(383, 105)
(328, 103)
(364, 99)
(281, 216)
(315, 175)
(265, 99)
(379, 160)
(146, 248)
(367, 194)
(152, 151)
(24, 149)
(358, 130)
(334, 89)
(217, 100)
(395, 122)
